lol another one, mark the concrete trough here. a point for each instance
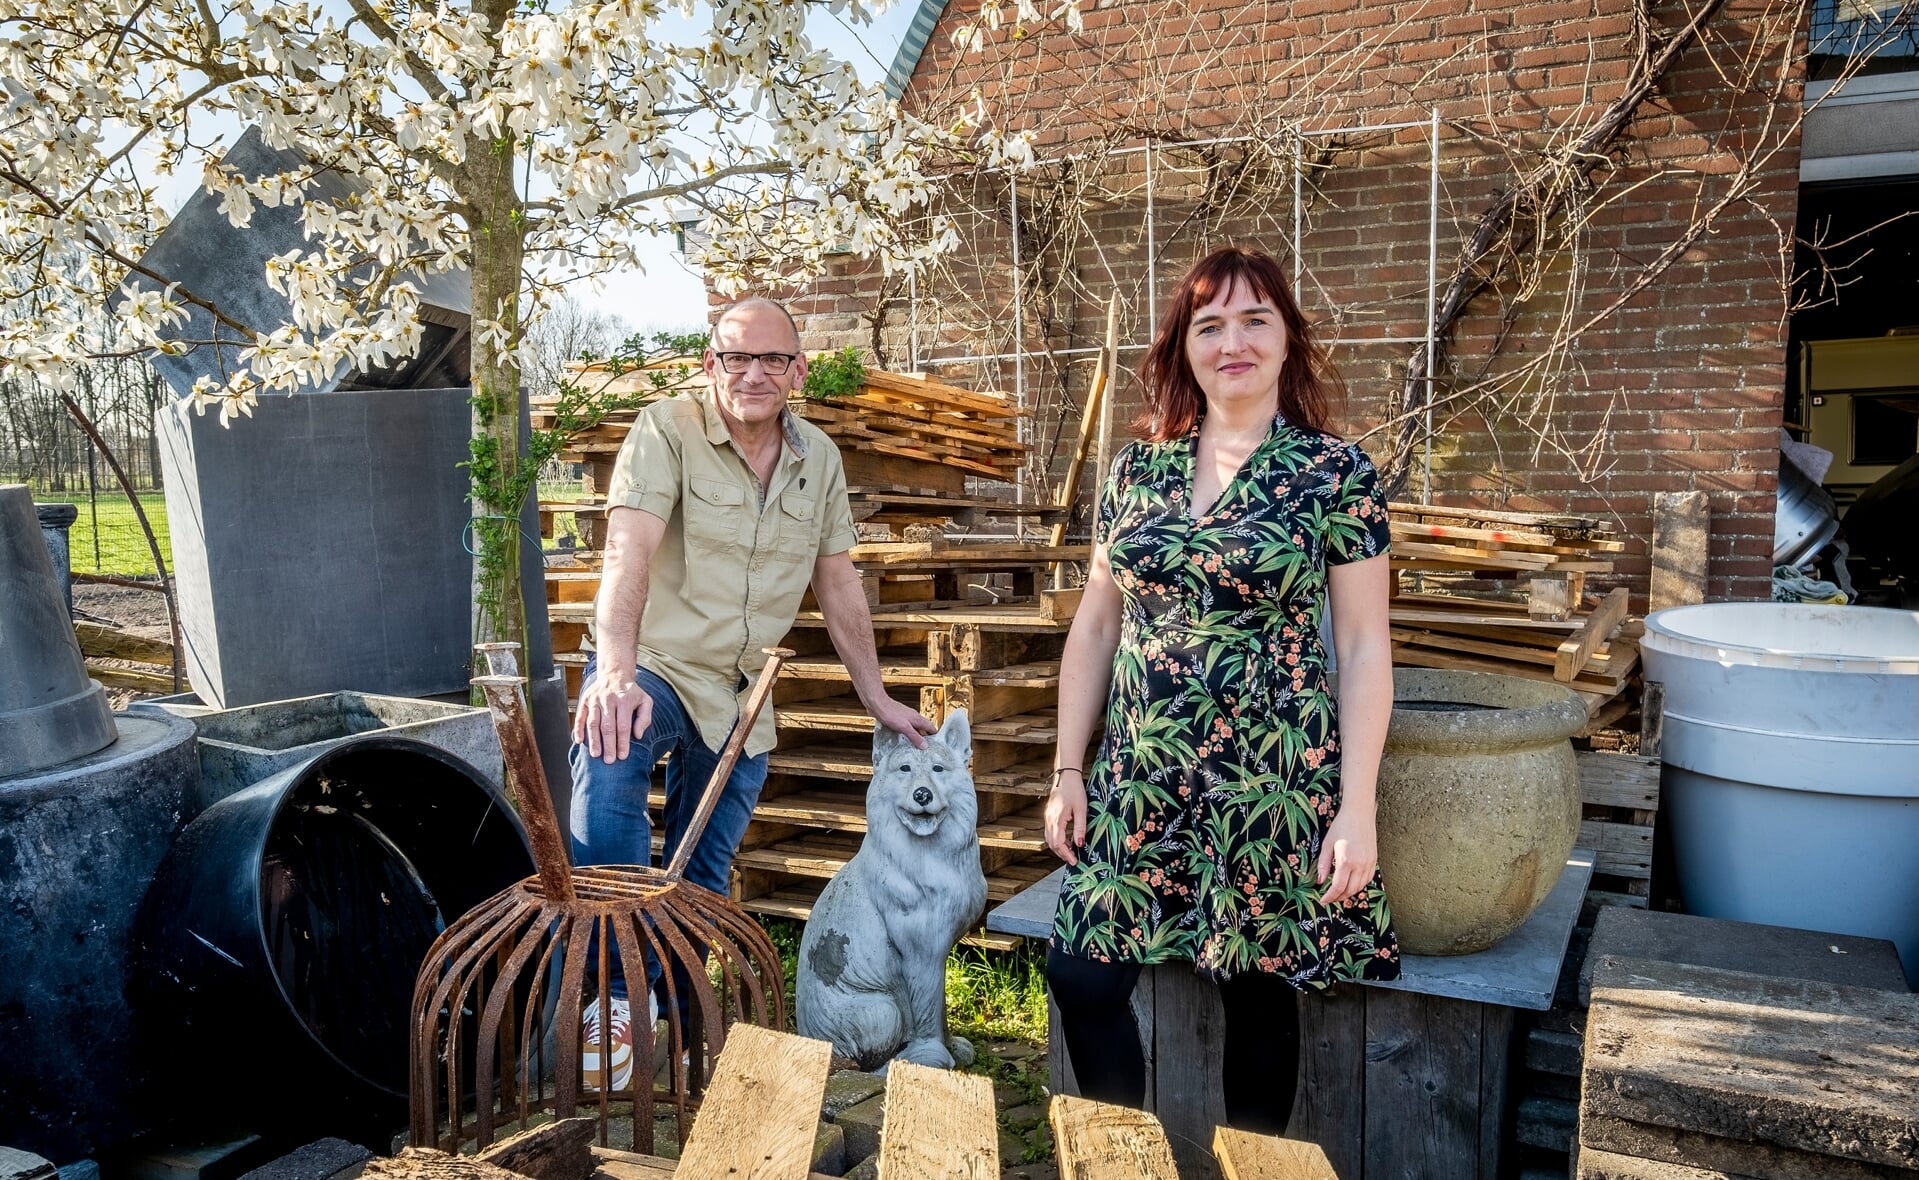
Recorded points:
(240, 747)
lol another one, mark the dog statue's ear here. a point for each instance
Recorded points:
(957, 733)
(883, 740)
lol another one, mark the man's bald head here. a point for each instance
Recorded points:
(756, 305)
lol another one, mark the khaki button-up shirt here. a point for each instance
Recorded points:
(734, 563)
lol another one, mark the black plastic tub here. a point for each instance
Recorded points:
(281, 938)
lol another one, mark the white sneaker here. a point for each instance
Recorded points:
(619, 1047)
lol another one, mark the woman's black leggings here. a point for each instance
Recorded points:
(1260, 1064)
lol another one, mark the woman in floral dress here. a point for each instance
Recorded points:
(1228, 818)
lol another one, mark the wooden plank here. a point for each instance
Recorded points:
(1652, 718)
(1554, 596)
(112, 643)
(1463, 557)
(139, 681)
(1243, 1155)
(615, 1164)
(1577, 650)
(889, 553)
(1537, 520)
(1607, 685)
(1330, 1105)
(1428, 617)
(1422, 1085)
(1094, 1141)
(1618, 780)
(1524, 653)
(1059, 606)
(559, 1150)
(1455, 565)
(1503, 538)
(1496, 1025)
(1624, 850)
(1681, 530)
(1188, 1039)
(762, 1111)
(939, 1125)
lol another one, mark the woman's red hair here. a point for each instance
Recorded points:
(1307, 381)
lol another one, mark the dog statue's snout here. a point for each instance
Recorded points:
(922, 796)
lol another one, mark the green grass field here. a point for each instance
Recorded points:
(123, 548)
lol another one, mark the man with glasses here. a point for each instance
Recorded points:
(723, 509)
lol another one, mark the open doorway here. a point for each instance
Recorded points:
(1853, 385)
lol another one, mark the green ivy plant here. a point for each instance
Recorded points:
(501, 494)
(834, 374)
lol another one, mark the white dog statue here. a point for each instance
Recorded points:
(872, 969)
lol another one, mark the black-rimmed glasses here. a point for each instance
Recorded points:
(775, 363)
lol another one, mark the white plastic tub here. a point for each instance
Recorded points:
(1791, 778)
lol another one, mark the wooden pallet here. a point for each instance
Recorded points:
(1619, 808)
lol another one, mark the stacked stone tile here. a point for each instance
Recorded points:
(1696, 1072)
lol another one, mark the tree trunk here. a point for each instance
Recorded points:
(499, 490)
(497, 222)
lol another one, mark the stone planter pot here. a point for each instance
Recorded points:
(1478, 804)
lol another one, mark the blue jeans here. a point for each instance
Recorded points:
(609, 820)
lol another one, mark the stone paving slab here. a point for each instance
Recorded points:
(1712, 1156)
(1594, 1164)
(1844, 959)
(1798, 1064)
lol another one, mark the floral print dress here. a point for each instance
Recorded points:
(1219, 771)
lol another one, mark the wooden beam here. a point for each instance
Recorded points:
(1094, 1141)
(1681, 526)
(939, 1125)
(130, 678)
(112, 644)
(1243, 1155)
(1088, 427)
(1575, 653)
(762, 1111)
(1059, 606)
(560, 1150)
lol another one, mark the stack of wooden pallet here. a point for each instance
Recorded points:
(909, 444)
(1506, 592)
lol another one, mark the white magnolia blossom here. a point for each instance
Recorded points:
(602, 112)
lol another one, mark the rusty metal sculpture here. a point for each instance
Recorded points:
(485, 995)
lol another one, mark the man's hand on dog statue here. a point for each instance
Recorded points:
(910, 723)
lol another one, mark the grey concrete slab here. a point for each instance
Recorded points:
(208, 256)
(323, 1159)
(321, 545)
(1655, 1147)
(1741, 946)
(1593, 1164)
(1796, 1064)
(1519, 972)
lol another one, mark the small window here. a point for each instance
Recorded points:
(1881, 31)
(1885, 429)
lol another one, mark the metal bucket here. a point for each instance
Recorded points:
(1791, 778)
(1806, 517)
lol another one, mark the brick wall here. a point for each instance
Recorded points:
(1680, 388)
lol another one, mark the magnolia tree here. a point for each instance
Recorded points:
(531, 145)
